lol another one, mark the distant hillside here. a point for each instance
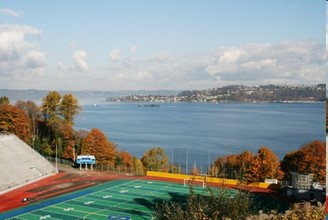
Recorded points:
(231, 93)
(236, 93)
(27, 95)
(262, 93)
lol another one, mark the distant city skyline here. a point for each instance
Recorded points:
(160, 45)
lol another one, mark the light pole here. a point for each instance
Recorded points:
(187, 162)
(56, 159)
(33, 138)
(209, 160)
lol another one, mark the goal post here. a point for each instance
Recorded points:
(196, 182)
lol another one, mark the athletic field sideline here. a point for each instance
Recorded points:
(119, 199)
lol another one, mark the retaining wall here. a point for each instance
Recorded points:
(206, 179)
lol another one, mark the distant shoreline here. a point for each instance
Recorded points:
(229, 94)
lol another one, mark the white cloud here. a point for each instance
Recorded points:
(35, 59)
(260, 64)
(326, 37)
(133, 49)
(160, 57)
(292, 62)
(231, 55)
(144, 75)
(115, 55)
(11, 13)
(25, 29)
(61, 66)
(79, 60)
(13, 38)
(19, 53)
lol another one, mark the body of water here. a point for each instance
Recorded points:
(195, 134)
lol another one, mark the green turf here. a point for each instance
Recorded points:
(128, 199)
(121, 198)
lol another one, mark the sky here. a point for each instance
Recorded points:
(160, 45)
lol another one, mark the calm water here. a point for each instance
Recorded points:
(196, 133)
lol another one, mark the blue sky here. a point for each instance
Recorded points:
(144, 44)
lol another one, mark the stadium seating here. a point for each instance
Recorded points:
(20, 164)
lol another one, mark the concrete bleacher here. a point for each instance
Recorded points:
(20, 164)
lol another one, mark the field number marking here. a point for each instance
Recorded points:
(89, 202)
(107, 196)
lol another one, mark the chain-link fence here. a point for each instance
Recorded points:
(99, 167)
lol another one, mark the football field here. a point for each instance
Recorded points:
(120, 199)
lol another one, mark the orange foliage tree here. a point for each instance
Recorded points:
(126, 158)
(68, 141)
(123, 159)
(244, 161)
(97, 144)
(310, 158)
(264, 165)
(233, 166)
(33, 113)
(14, 120)
(326, 115)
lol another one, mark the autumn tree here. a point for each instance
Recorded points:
(68, 142)
(69, 108)
(124, 158)
(326, 115)
(66, 107)
(264, 165)
(52, 123)
(97, 144)
(244, 161)
(14, 120)
(4, 100)
(230, 166)
(310, 158)
(51, 105)
(155, 159)
(33, 113)
(56, 128)
(137, 166)
(233, 166)
(79, 137)
(218, 167)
